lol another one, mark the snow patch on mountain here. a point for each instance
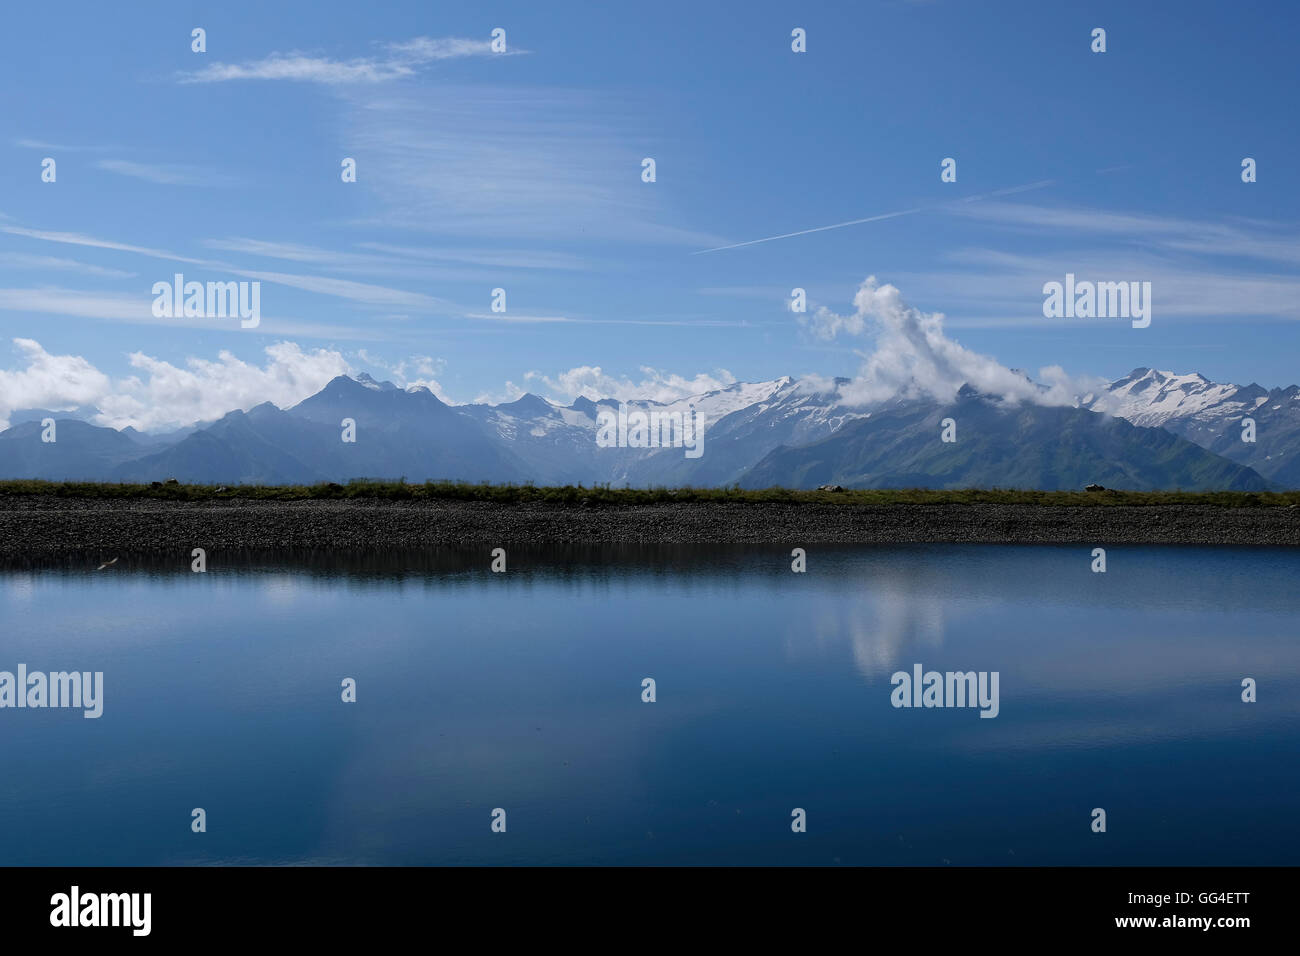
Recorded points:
(718, 404)
(1152, 397)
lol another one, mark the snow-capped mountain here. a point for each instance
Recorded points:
(1025, 445)
(742, 422)
(1178, 431)
(1150, 397)
(1213, 415)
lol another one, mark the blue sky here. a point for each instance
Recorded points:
(523, 171)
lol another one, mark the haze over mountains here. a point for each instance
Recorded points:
(1148, 430)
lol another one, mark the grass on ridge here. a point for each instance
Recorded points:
(401, 490)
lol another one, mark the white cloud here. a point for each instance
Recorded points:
(398, 60)
(164, 395)
(592, 382)
(411, 372)
(912, 357)
(57, 382)
(508, 393)
(203, 390)
(418, 365)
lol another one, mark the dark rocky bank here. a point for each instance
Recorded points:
(36, 527)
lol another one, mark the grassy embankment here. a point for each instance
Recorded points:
(602, 494)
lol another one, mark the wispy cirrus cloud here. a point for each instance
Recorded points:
(167, 175)
(361, 292)
(522, 319)
(1267, 241)
(494, 162)
(136, 308)
(30, 263)
(397, 60)
(25, 143)
(78, 239)
(1200, 269)
(504, 258)
(695, 323)
(1012, 285)
(508, 163)
(299, 252)
(365, 292)
(396, 261)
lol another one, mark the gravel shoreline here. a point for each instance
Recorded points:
(39, 527)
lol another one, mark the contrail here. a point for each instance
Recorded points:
(1005, 192)
(804, 232)
(886, 215)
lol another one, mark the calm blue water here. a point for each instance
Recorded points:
(523, 691)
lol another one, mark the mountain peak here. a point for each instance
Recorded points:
(368, 381)
(529, 403)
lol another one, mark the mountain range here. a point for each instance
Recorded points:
(1149, 430)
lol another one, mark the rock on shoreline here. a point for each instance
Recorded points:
(37, 527)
